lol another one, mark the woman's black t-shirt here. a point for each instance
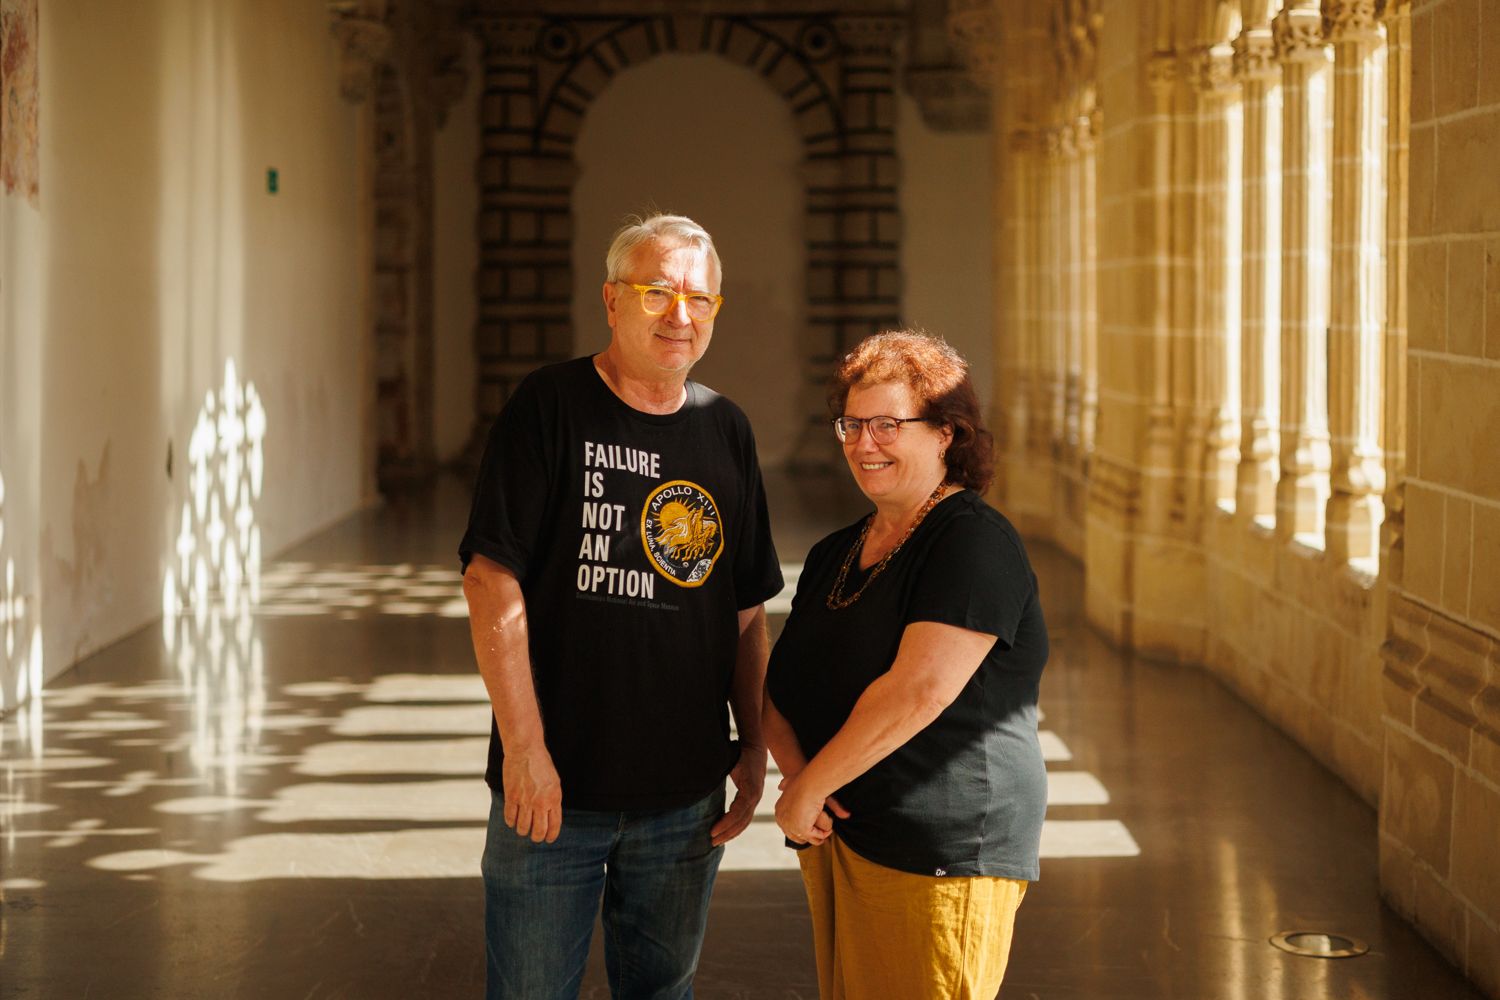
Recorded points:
(966, 795)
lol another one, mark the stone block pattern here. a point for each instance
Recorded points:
(1273, 260)
(837, 75)
(1442, 654)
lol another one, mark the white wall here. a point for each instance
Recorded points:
(946, 187)
(153, 257)
(455, 258)
(733, 165)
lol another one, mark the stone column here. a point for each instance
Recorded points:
(1020, 404)
(1044, 423)
(1218, 250)
(1303, 488)
(1158, 474)
(1260, 270)
(1088, 298)
(1398, 167)
(1357, 475)
(1070, 314)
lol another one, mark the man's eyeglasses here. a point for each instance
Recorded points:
(882, 429)
(701, 306)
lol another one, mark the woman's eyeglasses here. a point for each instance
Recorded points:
(882, 429)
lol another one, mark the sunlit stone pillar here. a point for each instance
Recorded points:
(1023, 307)
(1260, 270)
(1397, 17)
(1356, 475)
(1088, 296)
(1045, 420)
(1069, 275)
(1303, 488)
(1219, 192)
(1158, 476)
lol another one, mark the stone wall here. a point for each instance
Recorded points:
(1440, 803)
(1266, 272)
(182, 365)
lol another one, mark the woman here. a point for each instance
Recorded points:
(901, 696)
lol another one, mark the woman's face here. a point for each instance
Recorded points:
(905, 471)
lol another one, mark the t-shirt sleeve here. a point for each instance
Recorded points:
(757, 570)
(974, 577)
(510, 495)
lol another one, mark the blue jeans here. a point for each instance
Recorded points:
(654, 871)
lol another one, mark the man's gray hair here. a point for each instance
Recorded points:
(638, 231)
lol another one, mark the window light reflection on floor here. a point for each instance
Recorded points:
(403, 589)
(424, 735)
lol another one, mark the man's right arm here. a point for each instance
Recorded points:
(497, 622)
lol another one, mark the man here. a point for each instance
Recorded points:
(617, 562)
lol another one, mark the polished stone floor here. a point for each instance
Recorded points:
(286, 803)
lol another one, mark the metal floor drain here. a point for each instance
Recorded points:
(1316, 944)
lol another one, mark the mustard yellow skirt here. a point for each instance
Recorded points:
(882, 934)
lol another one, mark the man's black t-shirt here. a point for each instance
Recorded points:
(966, 795)
(637, 539)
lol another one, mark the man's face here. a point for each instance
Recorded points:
(672, 342)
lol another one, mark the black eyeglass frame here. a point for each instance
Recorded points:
(846, 435)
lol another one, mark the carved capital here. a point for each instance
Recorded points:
(972, 21)
(1213, 69)
(1351, 21)
(869, 36)
(1024, 141)
(949, 99)
(1162, 71)
(364, 44)
(974, 30)
(513, 38)
(1298, 33)
(1086, 131)
(448, 79)
(1067, 139)
(1255, 55)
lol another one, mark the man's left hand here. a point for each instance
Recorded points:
(749, 777)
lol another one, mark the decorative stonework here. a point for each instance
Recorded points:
(1213, 69)
(446, 80)
(974, 28)
(1255, 55)
(949, 98)
(1162, 71)
(1350, 19)
(404, 62)
(364, 43)
(836, 74)
(1298, 34)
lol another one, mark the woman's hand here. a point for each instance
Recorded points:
(804, 814)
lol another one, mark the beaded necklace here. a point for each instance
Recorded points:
(834, 601)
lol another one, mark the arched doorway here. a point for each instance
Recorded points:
(835, 74)
(726, 153)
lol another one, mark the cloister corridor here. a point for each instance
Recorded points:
(291, 805)
(1226, 274)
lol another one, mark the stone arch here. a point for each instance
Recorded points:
(837, 75)
(741, 176)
